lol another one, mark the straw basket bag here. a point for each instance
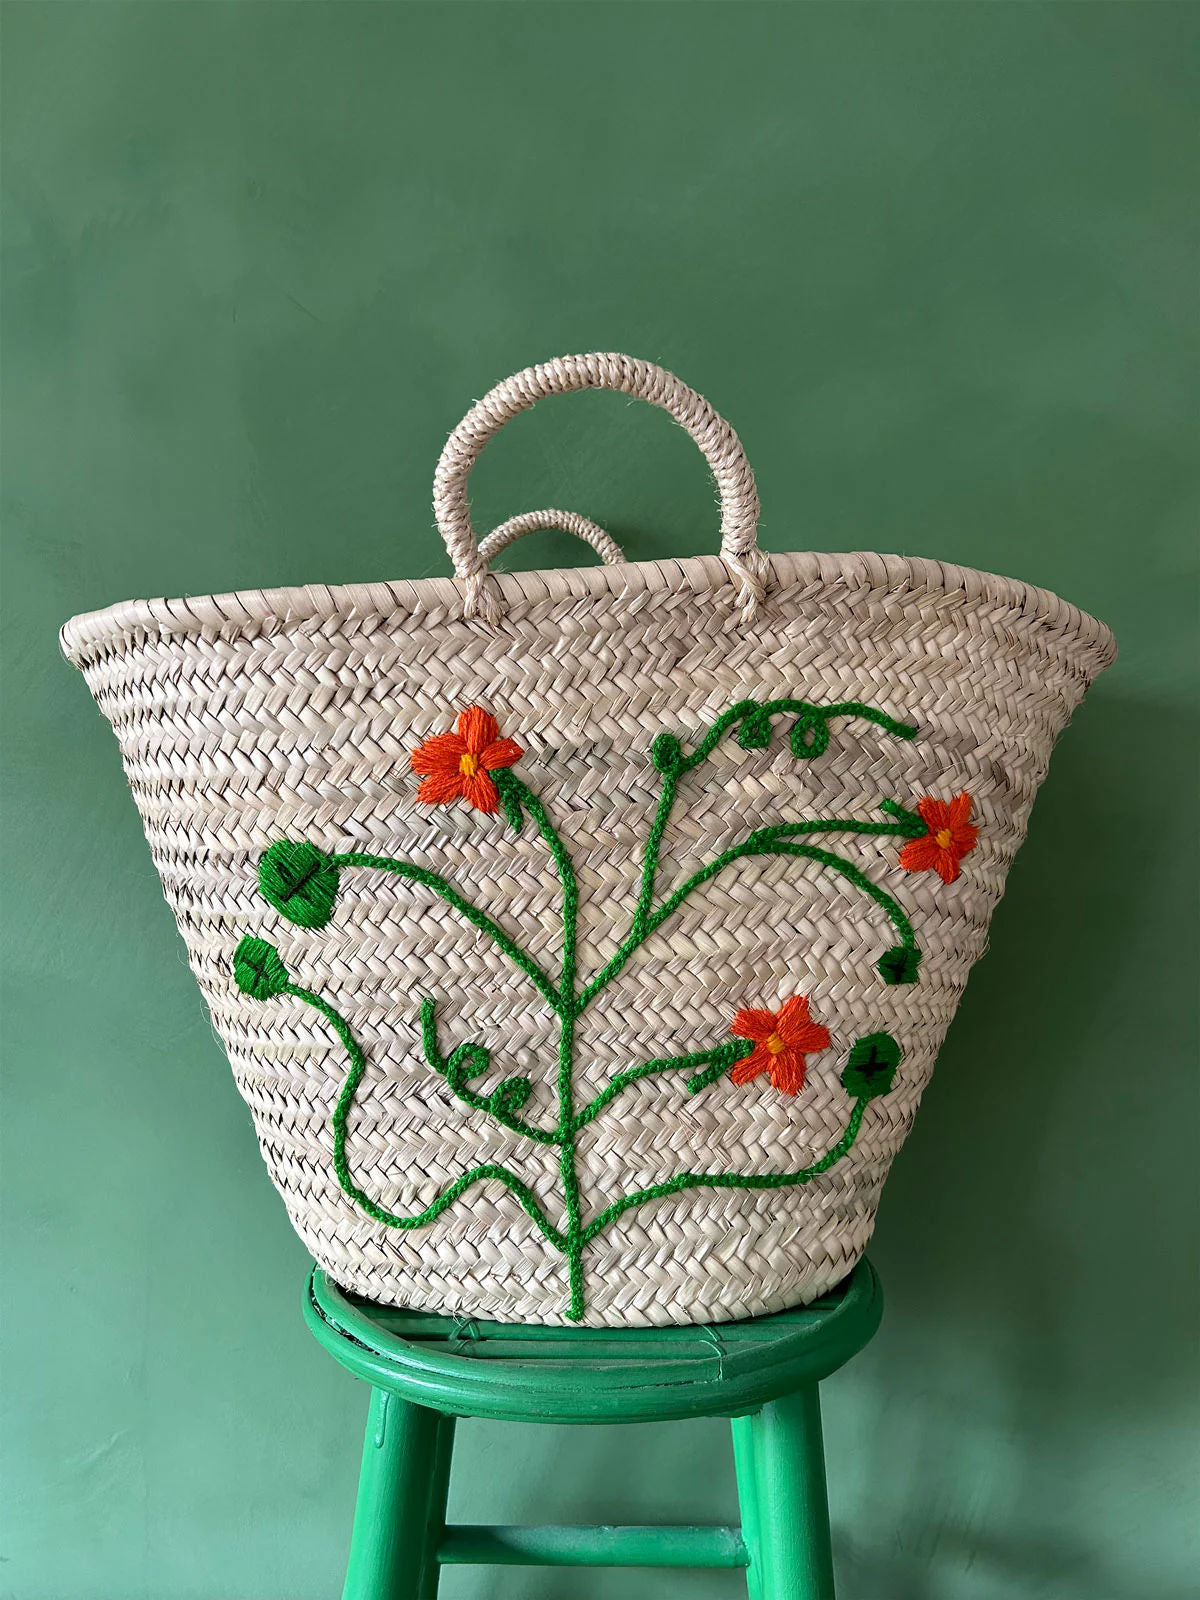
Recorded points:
(582, 941)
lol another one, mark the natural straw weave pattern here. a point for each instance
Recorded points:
(247, 718)
(569, 521)
(715, 439)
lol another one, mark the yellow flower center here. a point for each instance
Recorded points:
(468, 765)
(775, 1044)
(943, 838)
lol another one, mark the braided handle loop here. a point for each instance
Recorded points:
(716, 440)
(584, 528)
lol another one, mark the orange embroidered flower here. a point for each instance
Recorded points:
(782, 1039)
(458, 765)
(950, 837)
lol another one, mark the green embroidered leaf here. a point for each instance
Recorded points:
(871, 1067)
(667, 754)
(257, 969)
(900, 964)
(300, 881)
(755, 731)
(510, 1096)
(810, 735)
(911, 825)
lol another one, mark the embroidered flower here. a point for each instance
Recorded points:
(782, 1039)
(950, 837)
(457, 766)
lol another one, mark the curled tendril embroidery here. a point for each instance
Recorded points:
(473, 765)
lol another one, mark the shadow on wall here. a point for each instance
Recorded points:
(1037, 1341)
(1057, 1567)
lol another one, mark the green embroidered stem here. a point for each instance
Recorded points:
(358, 1066)
(738, 1048)
(302, 883)
(785, 830)
(869, 1072)
(517, 797)
(641, 915)
(765, 841)
(730, 1180)
(768, 846)
(811, 719)
(810, 737)
(567, 1165)
(468, 1061)
(480, 919)
(568, 1168)
(717, 1061)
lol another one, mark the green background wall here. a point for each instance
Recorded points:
(934, 262)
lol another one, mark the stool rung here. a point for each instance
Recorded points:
(477, 1544)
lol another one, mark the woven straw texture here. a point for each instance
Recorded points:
(245, 719)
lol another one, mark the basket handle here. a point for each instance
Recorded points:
(716, 440)
(584, 528)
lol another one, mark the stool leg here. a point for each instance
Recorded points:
(780, 1461)
(439, 1490)
(389, 1548)
(747, 1487)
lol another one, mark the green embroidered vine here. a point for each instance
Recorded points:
(302, 883)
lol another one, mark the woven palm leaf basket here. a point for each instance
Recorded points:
(582, 941)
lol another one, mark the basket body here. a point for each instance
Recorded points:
(243, 720)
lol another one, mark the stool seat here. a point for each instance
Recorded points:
(516, 1373)
(426, 1371)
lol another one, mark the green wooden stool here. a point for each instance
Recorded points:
(425, 1371)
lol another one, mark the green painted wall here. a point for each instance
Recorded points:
(934, 262)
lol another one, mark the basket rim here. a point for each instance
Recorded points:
(92, 634)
